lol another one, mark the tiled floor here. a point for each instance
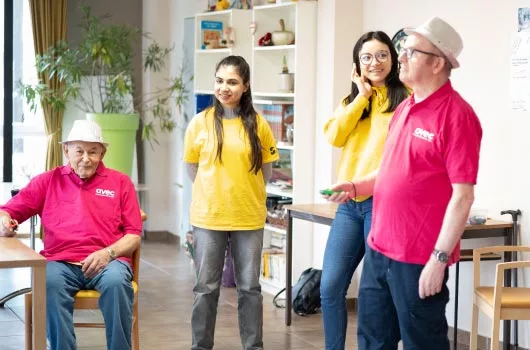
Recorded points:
(165, 307)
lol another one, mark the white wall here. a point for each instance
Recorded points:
(156, 21)
(483, 79)
(337, 34)
(179, 11)
(164, 175)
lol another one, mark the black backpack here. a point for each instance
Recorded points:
(305, 293)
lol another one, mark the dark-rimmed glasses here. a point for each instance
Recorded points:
(380, 56)
(409, 52)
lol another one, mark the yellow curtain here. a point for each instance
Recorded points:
(48, 18)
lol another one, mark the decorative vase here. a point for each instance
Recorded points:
(119, 130)
(286, 82)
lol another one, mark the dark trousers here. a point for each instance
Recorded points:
(390, 308)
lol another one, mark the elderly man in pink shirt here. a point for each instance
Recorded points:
(92, 225)
(422, 192)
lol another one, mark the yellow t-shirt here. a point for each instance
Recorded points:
(227, 196)
(361, 140)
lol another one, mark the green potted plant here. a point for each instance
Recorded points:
(96, 76)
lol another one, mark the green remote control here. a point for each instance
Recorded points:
(328, 192)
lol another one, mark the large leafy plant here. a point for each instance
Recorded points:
(102, 64)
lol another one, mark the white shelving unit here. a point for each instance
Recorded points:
(206, 59)
(267, 61)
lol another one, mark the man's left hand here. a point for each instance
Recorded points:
(431, 278)
(95, 263)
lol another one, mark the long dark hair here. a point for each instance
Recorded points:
(248, 114)
(397, 91)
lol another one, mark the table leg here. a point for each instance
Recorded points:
(455, 324)
(289, 272)
(39, 307)
(508, 240)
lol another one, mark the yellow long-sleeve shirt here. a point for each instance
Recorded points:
(361, 140)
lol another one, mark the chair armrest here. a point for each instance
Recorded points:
(512, 265)
(494, 249)
(499, 277)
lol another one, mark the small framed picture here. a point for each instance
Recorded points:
(524, 19)
(399, 40)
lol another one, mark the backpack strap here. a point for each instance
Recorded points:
(275, 299)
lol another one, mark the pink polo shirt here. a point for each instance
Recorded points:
(79, 217)
(430, 145)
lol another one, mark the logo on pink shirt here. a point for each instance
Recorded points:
(424, 134)
(104, 193)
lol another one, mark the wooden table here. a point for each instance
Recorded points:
(325, 213)
(14, 253)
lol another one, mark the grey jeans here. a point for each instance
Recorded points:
(209, 248)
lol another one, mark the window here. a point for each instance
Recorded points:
(29, 139)
(22, 137)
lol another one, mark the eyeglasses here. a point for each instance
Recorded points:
(92, 154)
(409, 51)
(380, 56)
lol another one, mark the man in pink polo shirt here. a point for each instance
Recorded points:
(422, 195)
(92, 225)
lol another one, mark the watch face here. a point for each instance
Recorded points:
(111, 252)
(442, 257)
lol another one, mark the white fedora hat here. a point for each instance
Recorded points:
(443, 36)
(87, 131)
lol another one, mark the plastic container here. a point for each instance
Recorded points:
(477, 216)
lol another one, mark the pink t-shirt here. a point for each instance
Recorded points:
(79, 217)
(430, 145)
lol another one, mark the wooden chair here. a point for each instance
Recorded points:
(498, 302)
(465, 256)
(88, 300)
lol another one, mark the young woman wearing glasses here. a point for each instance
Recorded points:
(359, 126)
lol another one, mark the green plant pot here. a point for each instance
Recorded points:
(119, 130)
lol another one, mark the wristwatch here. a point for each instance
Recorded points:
(111, 252)
(440, 256)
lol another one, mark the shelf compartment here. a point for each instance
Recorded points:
(273, 6)
(285, 145)
(275, 48)
(270, 286)
(259, 101)
(225, 51)
(276, 229)
(275, 190)
(204, 92)
(274, 94)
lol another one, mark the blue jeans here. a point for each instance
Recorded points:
(209, 247)
(344, 250)
(64, 280)
(390, 308)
